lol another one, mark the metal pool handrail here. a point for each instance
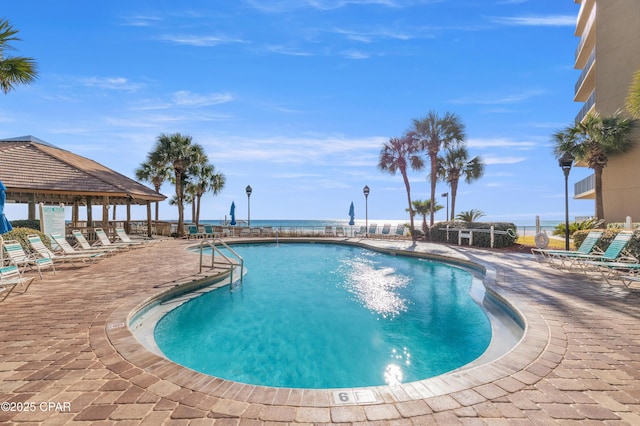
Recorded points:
(227, 261)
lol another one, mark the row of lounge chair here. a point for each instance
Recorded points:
(39, 257)
(384, 232)
(612, 264)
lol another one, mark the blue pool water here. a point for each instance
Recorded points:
(329, 316)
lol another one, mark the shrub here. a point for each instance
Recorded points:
(26, 223)
(592, 223)
(438, 232)
(20, 234)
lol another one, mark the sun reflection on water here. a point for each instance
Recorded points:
(376, 287)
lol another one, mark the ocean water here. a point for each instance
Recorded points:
(524, 229)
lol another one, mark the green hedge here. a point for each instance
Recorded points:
(26, 223)
(20, 234)
(633, 248)
(438, 233)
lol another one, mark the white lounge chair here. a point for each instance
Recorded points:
(123, 237)
(339, 231)
(18, 257)
(37, 244)
(104, 241)
(328, 231)
(85, 246)
(68, 249)
(10, 278)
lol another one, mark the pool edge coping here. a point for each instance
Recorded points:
(165, 374)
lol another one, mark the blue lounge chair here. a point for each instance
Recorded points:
(558, 258)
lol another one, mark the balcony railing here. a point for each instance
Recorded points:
(585, 71)
(591, 101)
(585, 33)
(584, 186)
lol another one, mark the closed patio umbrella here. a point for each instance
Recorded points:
(5, 225)
(233, 214)
(352, 214)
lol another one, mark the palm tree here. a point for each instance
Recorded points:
(206, 179)
(177, 153)
(470, 216)
(593, 141)
(423, 208)
(434, 133)
(398, 155)
(13, 69)
(633, 98)
(456, 164)
(154, 174)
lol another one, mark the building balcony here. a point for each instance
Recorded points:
(587, 80)
(587, 41)
(585, 189)
(588, 106)
(586, 6)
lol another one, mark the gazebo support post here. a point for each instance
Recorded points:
(128, 224)
(32, 207)
(105, 212)
(89, 213)
(149, 234)
(75, 213)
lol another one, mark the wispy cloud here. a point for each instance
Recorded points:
(498, 99)
(186, 98)
(284, 50)
(278, 6)
(111, 83)
(496, 159)
(370, 36)
(141, 21)
(537, 21)
(309, 150)
(355, 54)
(500, 143)
(200, 40)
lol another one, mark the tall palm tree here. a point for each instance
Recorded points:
(593, 141)
(206, 179)
(456, 164)
(13, 69)
(155, 175)
(400, 154)
(177, 153)
(434, 133)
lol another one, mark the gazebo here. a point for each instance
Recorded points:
(35, 171)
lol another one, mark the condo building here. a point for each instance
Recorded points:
(608, 54)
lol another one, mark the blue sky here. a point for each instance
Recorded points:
(297, 97)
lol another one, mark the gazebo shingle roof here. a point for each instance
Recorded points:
(30, 166)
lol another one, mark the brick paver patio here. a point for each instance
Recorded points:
(65, 356)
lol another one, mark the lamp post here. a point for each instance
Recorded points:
(446, 194)
(366, 191)
(565, 162)
(248, 189)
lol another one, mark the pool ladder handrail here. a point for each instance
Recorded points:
(213, 244)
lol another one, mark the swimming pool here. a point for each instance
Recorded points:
(329, 316)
